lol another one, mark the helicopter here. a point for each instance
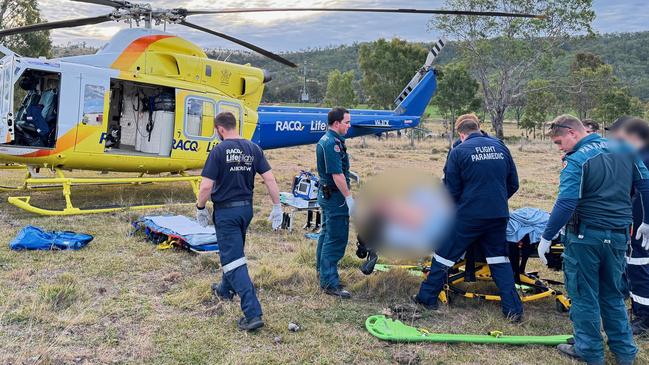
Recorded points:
(146, 101)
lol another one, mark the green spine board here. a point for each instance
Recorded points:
(394, 330)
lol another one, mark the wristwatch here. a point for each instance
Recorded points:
(199, 208)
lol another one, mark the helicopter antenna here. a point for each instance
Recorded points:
(305, 94)
(228, 56)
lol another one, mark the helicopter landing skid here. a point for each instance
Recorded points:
(11, 166)
(65, 183)
(29, 188)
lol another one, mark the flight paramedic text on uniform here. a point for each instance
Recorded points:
(229, 177)
(481, 176)
(594, 203)
(335, 200)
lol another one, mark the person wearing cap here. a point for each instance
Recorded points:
(335, 200)
(481, 176)
(591, 126)
(636, 133)
(594, 204)
(228, 178)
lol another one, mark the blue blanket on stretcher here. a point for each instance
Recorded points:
(178, 230)
(34, 238)
(526, 221)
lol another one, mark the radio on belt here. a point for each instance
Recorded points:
(305, 185)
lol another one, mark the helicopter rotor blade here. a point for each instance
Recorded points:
(117, 4)
(56, 25)
(240, 42)
(368, 10)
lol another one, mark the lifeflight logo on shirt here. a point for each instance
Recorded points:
(242, 160)
(486, 153)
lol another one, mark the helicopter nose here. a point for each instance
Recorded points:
(267, 76)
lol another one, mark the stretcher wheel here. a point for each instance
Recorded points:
(449, 296)
(560, 307)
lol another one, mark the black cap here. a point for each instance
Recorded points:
(618, 123)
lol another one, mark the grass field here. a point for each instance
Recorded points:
(122, 301)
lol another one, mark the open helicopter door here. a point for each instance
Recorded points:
(93, 96)
(7, 132)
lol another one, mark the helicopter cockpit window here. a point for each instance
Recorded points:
(199, 118)
(36, 97)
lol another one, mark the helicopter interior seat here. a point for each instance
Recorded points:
(29, 84)
(32, 98)
(49, 101)
(28, 116)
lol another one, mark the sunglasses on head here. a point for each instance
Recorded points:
(557, 125)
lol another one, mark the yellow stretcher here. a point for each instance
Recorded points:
(529, 285)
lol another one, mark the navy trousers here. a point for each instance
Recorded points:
(231, 225)
(490, 234)
(637, 269)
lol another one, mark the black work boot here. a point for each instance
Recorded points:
(569, 350)
(430, 307)
(338, 292)
(217, 292)
(640, 326)
(250, 324)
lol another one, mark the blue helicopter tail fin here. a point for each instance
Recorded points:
(417, 94)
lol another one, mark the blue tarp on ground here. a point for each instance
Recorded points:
(524, 221)
(34, 238)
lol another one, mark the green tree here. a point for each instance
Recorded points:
(457, 94)
(18, 13)
(503, 52)
(589, 79)
(387, 67)
(585, 60)
(340, 90)
(540, 101)
(614, 103)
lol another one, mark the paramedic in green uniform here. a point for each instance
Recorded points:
(594, 204)
(335, 199)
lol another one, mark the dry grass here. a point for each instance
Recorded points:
(122, 301)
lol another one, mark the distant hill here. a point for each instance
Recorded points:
(627, 52)
(73, 49)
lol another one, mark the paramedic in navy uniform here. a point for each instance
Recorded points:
(481, 176)
(229, 177)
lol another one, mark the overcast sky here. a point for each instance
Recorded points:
(294, 31)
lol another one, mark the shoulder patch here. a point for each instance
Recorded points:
(336, 148)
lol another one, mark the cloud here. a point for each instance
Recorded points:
(285, 31)
(280, 31)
